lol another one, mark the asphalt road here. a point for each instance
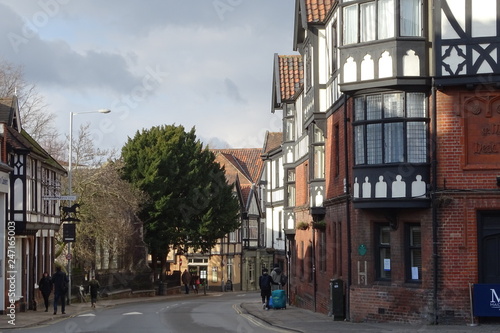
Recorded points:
(201, 314)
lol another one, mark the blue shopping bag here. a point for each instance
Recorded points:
(270, 302)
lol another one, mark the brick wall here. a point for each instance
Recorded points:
(465, 186)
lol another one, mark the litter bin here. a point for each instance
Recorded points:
(337, 298)
(161, 289)
(229, 285)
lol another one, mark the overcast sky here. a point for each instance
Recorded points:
(202, 63)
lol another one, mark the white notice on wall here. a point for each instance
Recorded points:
(387, 264)
(414, 273)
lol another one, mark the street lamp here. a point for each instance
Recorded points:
(70, 154)
(70, 181)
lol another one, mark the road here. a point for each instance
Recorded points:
(205, 314)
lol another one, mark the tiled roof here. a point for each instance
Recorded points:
(246, 191)
(6, 105)
(291, 72)
(23, 141)
(317, 10)
(247, 161)
(273, 140)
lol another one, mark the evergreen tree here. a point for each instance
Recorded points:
(190, 204)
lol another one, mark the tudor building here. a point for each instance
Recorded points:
(34, 174)
(395, 146)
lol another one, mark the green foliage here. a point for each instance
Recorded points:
(190, 203)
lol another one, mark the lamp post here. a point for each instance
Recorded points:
(70, 181)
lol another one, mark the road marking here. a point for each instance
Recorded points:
(87, 315)
(256, 321)
(131, 313)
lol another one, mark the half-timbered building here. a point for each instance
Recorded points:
(394, 156)
(35, 176)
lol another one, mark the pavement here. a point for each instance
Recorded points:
(291, 319)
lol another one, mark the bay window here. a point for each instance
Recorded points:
(390, 128)
(385, 19)
(369, 20)
(410, 14)
(350, 24)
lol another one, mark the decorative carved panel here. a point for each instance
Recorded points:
(481, 117)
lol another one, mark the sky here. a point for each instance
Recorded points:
(201, 63)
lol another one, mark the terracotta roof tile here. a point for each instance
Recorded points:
(246, 160)
(273, 140)
(246, 190)
(291, 78)
(317, 10)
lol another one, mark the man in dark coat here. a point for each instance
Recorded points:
(94, 289)
(45, 287)
(186, 280)
(60, 281)
(265, 282)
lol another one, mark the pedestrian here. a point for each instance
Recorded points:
(45, 287)
(276, 277)
(194, 283)
(186, 280)
(265, 283)
(60, 281)
(93, 289)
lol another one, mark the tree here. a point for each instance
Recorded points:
(36, 120)
(190, 204)
(109, 231)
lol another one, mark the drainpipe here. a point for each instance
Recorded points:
(315, 286)
(434, 208)
(348, 214)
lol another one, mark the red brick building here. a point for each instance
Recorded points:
(392, 157)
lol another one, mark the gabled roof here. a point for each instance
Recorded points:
(9, 112)
(23, 141)
(272, 141)
(317, 10)
(243, 168)
(246, 161)
(288, 79)
(18, 139)
(309, 12)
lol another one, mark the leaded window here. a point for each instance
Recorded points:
(390, 128)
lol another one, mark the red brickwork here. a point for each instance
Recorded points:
(464, 189)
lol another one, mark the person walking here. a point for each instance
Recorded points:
(194, 283)
(94, 289)
(265, 283)
(276, 276)
(60, 281)
(45, 287)
(186, 280)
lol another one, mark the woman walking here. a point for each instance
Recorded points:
(45, 287)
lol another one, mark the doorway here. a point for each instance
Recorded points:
(489, 246)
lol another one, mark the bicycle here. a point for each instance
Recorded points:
(83, 298)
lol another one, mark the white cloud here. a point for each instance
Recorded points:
(212, 59)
